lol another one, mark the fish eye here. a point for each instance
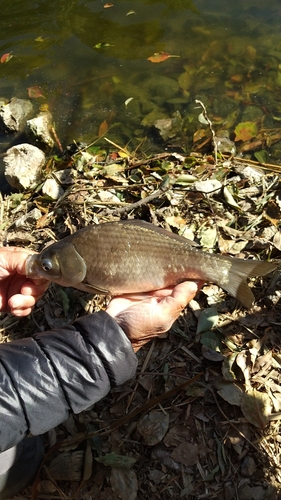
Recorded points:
(47, 265)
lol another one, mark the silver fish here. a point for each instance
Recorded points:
(128, 257)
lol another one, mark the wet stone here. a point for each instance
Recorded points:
(38, 130)
(14, 114)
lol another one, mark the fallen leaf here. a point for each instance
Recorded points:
(153, 427)
(207, 320)
(115, 460)
(186, 454)
(6, 57)
(35, 92)
(176, 435)
(256, 407)
(124, 483)
(160, 57)
(211, 355)
(229, 392)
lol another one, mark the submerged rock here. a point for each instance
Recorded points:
(169, 127)
(23, 166)
(14, 114)
(38, 130)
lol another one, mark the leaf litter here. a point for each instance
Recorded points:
(201, 417)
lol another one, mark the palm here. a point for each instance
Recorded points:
(144, 319)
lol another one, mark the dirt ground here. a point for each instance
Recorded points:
(200, 420)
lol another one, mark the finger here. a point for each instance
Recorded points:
(21, 305)
(30, 288)
(13, 260)
(185, 292)
(184, 287)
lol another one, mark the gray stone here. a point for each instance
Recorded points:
(28, 218)
(23, 166)
(14, 114)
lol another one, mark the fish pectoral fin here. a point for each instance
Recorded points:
(94, 289)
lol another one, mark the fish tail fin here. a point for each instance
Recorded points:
(239, 271)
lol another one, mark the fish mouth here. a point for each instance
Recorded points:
(31, 266)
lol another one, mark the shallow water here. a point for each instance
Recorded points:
(89, 61)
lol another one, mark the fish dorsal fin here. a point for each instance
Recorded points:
(151, 227)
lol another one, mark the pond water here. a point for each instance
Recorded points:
(88, 61)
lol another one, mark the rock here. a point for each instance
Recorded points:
(209, 186)
(38, 130)
(223, 143)
(14, 114)
(248, 466)
(169, 127)
(52, 189)
(23, 166)
(28, 218)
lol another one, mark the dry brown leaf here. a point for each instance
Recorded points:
(176, 435)
(229, 392)
(256, 407)
(153, 427)
(124, 482)
(186, 454)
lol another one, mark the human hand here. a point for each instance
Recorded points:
(144, 319)
(18, 294)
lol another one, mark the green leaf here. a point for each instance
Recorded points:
(207, 320)
(115, 460)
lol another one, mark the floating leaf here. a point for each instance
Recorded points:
(115, 460)
(160, 57)
(41, 39)
(256, 407)
(6, 57)
(131, 12)
(128, 100)
(35, 92)
(245, 131)
(102, 45)
(108, 5)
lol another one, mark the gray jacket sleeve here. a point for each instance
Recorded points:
(45, 377)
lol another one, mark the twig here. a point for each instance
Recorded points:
(133, 206)
(204, 112)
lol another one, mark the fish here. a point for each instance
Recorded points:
(134, 256)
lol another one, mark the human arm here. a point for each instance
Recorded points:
(18, 294)
(44, 378)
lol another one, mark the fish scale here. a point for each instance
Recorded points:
(128, 257)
